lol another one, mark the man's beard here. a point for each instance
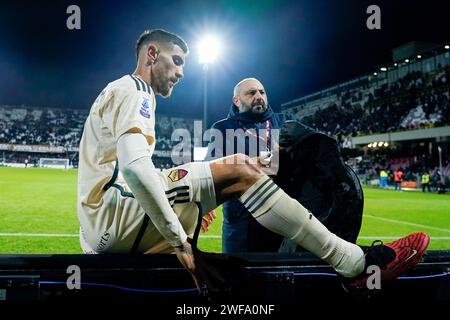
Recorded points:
(164, 89)
(258, 108)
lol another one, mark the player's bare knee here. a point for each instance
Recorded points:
(249, 173)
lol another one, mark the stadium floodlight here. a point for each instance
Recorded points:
(384, 69)
(374, 73)
(209, 48)
(447, 47)
(419, 56)
(386, 144)
(380, 144)
(406, 60)
(369, 145)
(395, 64)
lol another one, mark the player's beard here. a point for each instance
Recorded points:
(166, 90)
(162, 86)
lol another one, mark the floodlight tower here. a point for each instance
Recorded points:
(209, 48)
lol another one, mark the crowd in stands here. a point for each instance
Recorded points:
(64, 127)
(41, 126)
(24, 125)
(417, 100)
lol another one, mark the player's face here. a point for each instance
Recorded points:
(252, 97)
(168, 70)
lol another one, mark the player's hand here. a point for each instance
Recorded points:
(207, 220)
(186, 257)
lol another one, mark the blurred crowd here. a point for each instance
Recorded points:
(415, 101)
(41, 126)
(24, 125)
(64, 127)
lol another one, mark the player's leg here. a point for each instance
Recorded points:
(237, 176)
(278, 212)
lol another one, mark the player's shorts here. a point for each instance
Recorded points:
(126, 228)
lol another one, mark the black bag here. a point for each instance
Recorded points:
(311, 170)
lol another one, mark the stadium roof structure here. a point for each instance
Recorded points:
(407, 135)
(410, 51)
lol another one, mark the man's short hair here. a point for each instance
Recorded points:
(161, 36)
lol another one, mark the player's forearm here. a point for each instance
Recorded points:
(136, 167)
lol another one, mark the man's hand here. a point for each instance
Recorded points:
(208, 219)
(186, 257)
(268, 161)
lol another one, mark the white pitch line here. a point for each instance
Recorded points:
(71, 235)
(407, 223)
(38, 235)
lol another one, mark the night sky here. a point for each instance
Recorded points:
(293, 47)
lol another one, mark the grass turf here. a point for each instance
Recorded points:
(43, 201)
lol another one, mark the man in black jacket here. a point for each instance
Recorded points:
(249, 129)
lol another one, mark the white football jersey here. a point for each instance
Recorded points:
(127, 104)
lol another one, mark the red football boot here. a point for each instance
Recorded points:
(393, 259)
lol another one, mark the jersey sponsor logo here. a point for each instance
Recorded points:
(145, 108)
(177, 174)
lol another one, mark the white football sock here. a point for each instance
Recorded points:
(278, 212)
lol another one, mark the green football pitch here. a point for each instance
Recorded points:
(38, 214)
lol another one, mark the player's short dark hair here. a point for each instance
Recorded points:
(161, 36)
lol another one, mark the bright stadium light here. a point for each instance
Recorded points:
(386, 144)
(395, 64)
(447, 47)
(375, 73)
(419, 56)
(369, 145)
(380, 144)
(383, 69)
(406, 60)
(209, 49)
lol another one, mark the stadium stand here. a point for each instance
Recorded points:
(410, 96)
(28, 133)
(414, 101)
(41, 126)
